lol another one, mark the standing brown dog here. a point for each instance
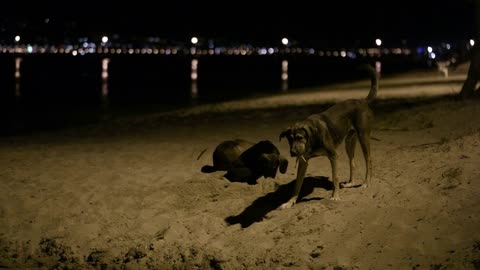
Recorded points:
(320, 134)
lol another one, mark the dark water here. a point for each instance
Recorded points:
(54, 91)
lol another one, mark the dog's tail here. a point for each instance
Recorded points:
(208, 169)
(374, 78)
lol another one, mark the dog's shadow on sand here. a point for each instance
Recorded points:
(263, 205)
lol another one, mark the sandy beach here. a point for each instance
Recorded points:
(129, 194)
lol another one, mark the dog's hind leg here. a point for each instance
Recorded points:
(350, 144)
(363, 124)
(364, 138)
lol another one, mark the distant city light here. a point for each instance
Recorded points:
(343, 53)
(429, 49)
(432, 55)
(74, 53)
(270, 50)
(104, 39)
(285, 41)
(378, 42)
(29, 49)
(448, 46)
(472, 42)
(194, 40)
(17, 38)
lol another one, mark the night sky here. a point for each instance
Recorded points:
(262, 21)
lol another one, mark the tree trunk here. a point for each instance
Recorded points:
(473, 75)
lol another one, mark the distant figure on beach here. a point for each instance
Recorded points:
(245, 161)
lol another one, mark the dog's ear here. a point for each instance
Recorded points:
(268, 164)
(283, 164)
(308, 130)
(285, 133)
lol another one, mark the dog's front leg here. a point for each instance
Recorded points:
(336, 188)
(302, 169)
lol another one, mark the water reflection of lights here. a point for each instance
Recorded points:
(194, 74)
(284, 70)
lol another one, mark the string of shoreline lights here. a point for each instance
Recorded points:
(108, 47)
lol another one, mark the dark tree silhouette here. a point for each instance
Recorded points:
(473, 76)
